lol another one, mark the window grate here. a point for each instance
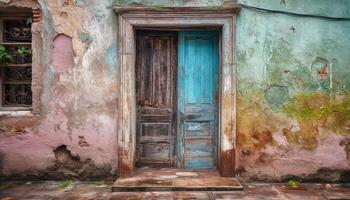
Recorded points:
(17, 30)
(17, 74)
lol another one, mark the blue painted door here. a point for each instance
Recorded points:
(198, 78)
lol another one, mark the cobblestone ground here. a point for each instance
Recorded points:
(99, 190)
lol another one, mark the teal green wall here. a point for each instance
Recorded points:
(283, 49)
(293, 102)
(330, 8)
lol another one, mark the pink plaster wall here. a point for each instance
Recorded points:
(62, 53)
(78, 98)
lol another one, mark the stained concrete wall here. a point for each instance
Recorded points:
(293, 98)
(293, 116)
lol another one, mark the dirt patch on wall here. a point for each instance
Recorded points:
(346, 145)
(322, 175)
(16, 126)
(66, 166)
(71, 166)
(254, 127)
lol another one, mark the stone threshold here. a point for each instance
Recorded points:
(147, 180)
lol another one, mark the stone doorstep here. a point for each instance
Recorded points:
(162, 183)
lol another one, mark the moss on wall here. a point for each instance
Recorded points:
(333, 111)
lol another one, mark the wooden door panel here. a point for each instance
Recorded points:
(156, 62)
(199, 163)
(198, 72)
(197, 103)
(200, 129)
(154, 71)
(155, 131)
(198, 148)
(155, 151)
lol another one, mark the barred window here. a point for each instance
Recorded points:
(16, 61)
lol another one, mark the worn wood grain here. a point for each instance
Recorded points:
(198, 87)
(156, 64)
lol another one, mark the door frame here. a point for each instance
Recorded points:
(131, 18)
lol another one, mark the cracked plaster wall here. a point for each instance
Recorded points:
(293, 95)
(293, 90)
(79, 95)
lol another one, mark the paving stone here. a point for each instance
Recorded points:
(19, 190)
(192, 195)
(125, 196)
(337, 193)
(98, 191)
(158, 195)
(268, 192)
(304, 192)
(95, 191)
(47, 191)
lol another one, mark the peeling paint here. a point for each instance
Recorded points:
(276, 96)
(293, 95)
(111, 58)
(62, 53)
(85, 37)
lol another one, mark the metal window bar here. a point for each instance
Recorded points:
(17, 74)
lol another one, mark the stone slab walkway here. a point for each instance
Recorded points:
(102, 191)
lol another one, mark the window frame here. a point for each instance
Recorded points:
(10, 12)
(2, 69)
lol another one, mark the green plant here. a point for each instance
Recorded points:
(66, 183)
(293, 184)
(29, 21)
(5, 57)
(24, 52)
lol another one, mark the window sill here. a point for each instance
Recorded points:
(19, 113)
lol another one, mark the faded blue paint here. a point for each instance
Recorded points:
(197, 106)
(85, 37)
(48, 73)
(99, 11)
(81, 3)
(111, 59)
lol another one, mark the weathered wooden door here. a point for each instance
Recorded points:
(197, 101)
(156, 66)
